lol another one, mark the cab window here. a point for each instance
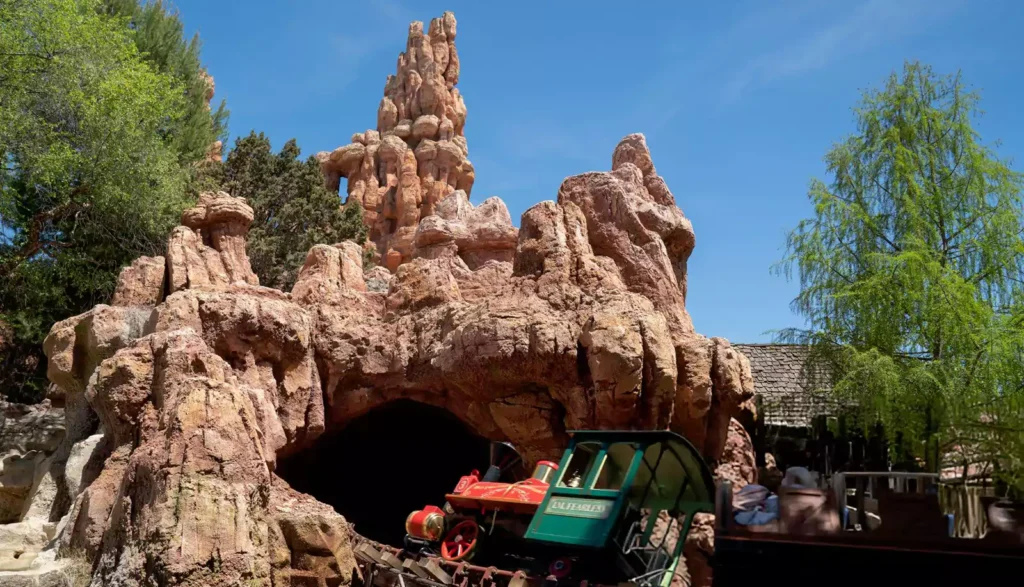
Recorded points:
(659, 480)
(668, 481)
(614, 466)
(580, 463)
(644, 475)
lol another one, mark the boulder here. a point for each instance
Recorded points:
(21, 544)
(29, 437)
(738, 464)
(141, 283)
(307, 537)
(209, 249)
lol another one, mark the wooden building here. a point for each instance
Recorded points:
(799, 421)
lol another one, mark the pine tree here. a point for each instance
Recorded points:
(160, 36)
(293, 209)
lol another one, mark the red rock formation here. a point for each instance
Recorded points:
(738, 465)
(209, 250)
(201, 378)
(211, 87)
(417, 156)
(307, 539)
(215, 152)
(141, 283)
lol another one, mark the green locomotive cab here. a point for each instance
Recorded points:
(628, 497)
(617, 508)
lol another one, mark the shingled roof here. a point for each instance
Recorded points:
(788, 397)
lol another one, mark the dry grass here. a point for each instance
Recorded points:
(76, 572)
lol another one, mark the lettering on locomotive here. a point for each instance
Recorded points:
(579, 508)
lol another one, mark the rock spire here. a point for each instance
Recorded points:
(418, 155)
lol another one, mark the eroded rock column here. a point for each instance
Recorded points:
(418, 154)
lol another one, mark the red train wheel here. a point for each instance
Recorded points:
(560, 568)
(460, 542)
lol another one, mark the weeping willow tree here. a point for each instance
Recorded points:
(910, 277)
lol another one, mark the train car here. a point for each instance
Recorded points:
(810, 545)
(615, 511)
(616, 508)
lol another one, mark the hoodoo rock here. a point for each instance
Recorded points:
(209, 250)
(197, 383)
(418, 155)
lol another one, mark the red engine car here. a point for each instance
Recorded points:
(482, 505)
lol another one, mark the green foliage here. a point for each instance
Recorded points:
(910, 275)
(97, 141)
(293, 209)
(160, 36)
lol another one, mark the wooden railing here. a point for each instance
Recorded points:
(865, 482)
(965, 504)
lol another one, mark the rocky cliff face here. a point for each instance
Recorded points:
(193, 383)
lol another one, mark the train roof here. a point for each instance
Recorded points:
(702, 486)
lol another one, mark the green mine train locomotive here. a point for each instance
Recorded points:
(616, 508)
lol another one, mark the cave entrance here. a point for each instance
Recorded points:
(386, 463)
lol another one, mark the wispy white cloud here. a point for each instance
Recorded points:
(393, 11)
(378, 34)
(775, 41)
(545, 137)
(348, 54)
(387, 21)
(351, 49)
(861, 28)
(499, 177)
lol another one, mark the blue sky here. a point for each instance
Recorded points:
(739, 100)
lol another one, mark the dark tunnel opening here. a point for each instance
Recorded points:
(383, 465)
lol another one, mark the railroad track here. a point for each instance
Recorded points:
(385, 566)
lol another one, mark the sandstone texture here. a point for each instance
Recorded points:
(418, 154)
(141, 283)
(209, 250)
(738, 464)
(29, 437)
(181, 396)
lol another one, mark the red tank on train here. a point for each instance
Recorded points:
(482, 504)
